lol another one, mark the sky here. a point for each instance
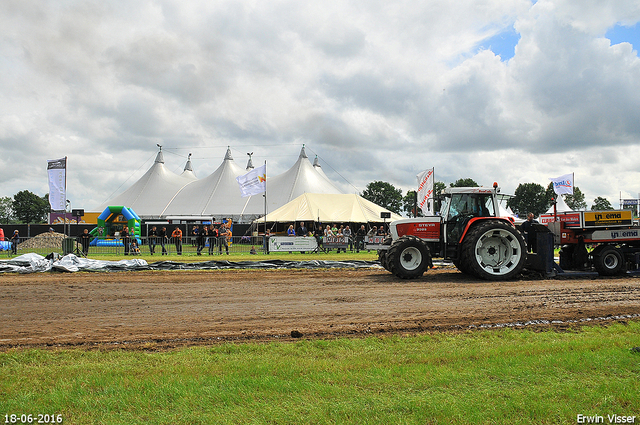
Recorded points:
(511, 91)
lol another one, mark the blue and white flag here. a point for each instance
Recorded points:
(563, 184)
(57, 170)
(254, 182)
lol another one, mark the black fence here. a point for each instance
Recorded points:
(44, 244)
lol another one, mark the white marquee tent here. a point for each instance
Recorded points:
(160, 193)
(328, 208)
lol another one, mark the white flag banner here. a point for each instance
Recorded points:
(57, 170)
(563, 185)
(254, 182)
(425, 191)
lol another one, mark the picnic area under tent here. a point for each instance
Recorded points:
(328, 208)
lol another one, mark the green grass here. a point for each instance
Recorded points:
(485, 377)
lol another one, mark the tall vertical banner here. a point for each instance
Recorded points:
(57, 170)
(254, 182)
(563, 185)
(425, 191)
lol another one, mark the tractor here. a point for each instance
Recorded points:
(469, 232)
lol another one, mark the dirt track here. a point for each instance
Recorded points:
(166, 309)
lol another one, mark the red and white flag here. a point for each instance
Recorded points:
(425, 191)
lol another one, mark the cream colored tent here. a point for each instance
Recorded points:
(328, 208)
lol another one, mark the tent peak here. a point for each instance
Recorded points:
(188, 166)
(303, 153)
(316, 163)
(228, 154)
(160, 157)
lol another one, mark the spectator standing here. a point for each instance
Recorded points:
(177, 239)
(223, 238)
(152, 235)
(347, 234)
(213, 238)
(162, 238)
(15, 240)
(302, 230)
(85, 240)
(360, 235)
(200, 238)
(124, 234)
(291, 231)
(529, 231)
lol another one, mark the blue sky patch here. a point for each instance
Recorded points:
(503, 44)
(620, 34)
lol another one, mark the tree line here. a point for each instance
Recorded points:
(25, 207)
(528, 197)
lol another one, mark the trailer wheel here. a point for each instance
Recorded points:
(608, 261)
(408, 257)
(493, 251)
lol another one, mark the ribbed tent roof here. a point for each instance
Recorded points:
(301, 178)
(161, 193)
(329, 208)
(561, 206)
(216, 195)
(152, 192)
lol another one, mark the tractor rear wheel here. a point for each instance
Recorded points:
(608, 261)
(408, 257)
(382, 257)
(493, 250)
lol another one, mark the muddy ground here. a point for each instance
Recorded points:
(164, 309)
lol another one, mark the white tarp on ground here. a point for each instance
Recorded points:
(34, 263)
(329, 208)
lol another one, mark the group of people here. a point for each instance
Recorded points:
(354, 239)
(220, 235)
(161, 237)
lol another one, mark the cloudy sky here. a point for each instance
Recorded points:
(513, 91)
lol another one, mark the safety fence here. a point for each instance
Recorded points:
(45, 244)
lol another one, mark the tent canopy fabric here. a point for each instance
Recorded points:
(561, 206)
(328, 208)
(161, 193)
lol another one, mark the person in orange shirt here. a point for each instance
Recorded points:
(177, 239)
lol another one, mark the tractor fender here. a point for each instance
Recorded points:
(479, 220)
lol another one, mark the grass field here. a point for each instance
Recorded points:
(484, 377)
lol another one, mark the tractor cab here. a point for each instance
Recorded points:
(461, 205)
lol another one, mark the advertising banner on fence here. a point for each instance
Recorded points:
(57, 169)
(335, 242)
(289, 243)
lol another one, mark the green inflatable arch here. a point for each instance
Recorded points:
(104, 225)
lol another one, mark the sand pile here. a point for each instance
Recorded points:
(49, 240)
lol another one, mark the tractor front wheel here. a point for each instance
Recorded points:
(408, 257)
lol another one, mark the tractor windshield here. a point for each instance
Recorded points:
(473, 205)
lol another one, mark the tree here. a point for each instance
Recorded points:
(576, 201)
(601, 204)
(468, 182)
(384, 194)
(29, 207)
(409, 204)
(529, 197)
(6, 210)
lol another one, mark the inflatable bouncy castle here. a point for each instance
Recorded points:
(112, 220)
